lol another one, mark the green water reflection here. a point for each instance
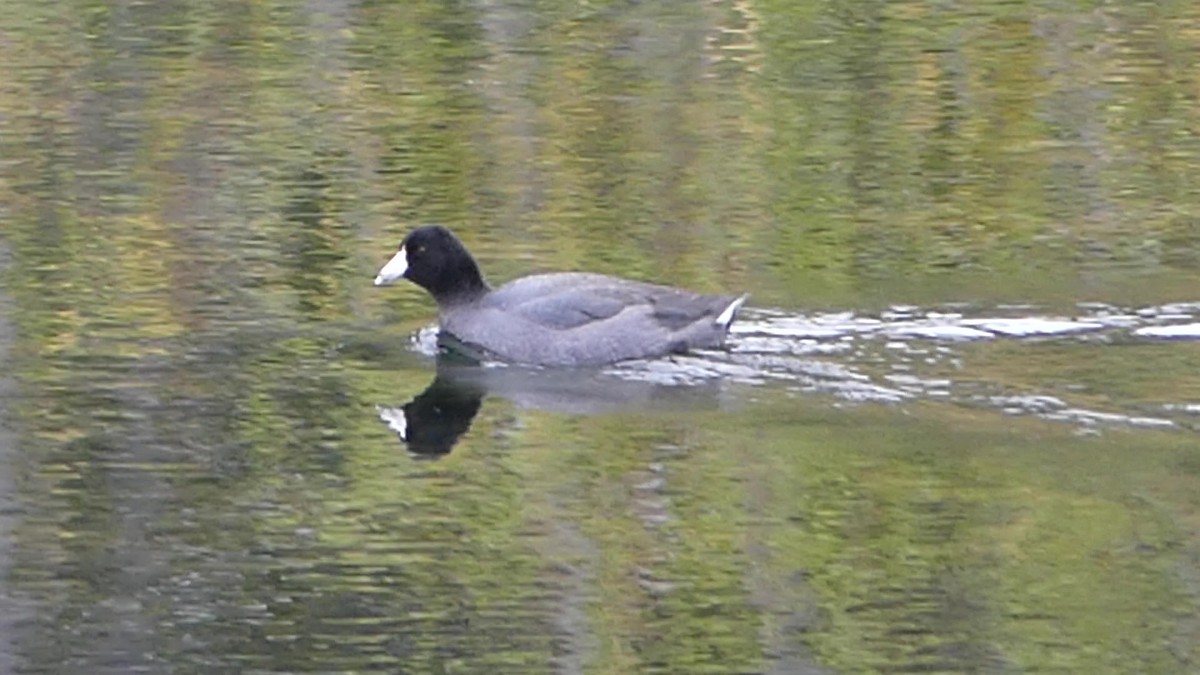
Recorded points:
(194, 197)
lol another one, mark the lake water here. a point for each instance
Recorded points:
(956, 430)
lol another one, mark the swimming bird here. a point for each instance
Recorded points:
(558, 319)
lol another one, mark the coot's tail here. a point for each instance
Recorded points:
(725, 318)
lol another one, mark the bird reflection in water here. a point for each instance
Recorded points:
(435, 420)
(430, 424)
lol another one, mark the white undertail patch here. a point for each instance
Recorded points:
(726, 316)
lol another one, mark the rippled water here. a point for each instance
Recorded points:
(957, 429)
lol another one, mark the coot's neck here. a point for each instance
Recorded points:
(459, 283)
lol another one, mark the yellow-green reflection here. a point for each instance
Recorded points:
(194, 197)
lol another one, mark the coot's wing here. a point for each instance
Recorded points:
(571, 308)
(567, 301)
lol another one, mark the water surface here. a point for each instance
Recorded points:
(956, 431)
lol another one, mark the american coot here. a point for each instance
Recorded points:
(563, 319)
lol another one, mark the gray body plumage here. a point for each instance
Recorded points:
(580, 319)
